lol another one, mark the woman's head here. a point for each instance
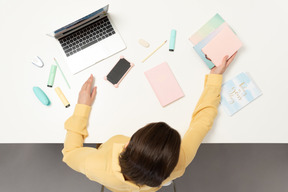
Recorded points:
(151, 154)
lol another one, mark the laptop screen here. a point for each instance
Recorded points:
(83, 20)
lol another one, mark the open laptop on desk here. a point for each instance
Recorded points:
(89, 40)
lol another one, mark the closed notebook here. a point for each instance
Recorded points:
(206, 29)
(224, 43)
(204, 42)
(164, 84)
(238, 92)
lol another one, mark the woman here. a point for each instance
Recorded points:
(153, 156)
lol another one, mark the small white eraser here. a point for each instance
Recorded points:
(143, 43)
(37, 62)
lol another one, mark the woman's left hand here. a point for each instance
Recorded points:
(86, 97)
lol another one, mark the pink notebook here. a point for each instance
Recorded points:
(164, 84)
(224, 43)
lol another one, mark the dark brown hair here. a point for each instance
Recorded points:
(151, 154)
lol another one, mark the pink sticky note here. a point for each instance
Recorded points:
(224, 43)
(164, 84)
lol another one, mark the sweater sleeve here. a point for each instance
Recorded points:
(202, 117)
(74, 154)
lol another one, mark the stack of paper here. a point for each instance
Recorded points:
(214, 41)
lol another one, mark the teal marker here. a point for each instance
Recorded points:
(172, 40)
(52, 76)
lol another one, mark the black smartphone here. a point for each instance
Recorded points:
(119, 71)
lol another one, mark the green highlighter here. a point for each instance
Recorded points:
(172, 40)
(52, 76)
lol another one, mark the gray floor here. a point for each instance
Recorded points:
(217, 167)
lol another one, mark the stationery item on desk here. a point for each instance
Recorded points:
(238, 92)
(204, 42)
(172, 40)
(164, 84)
(41, 96)
(206, 29)
(62, 97)
(62, 73)
(119, 71)
(154, 51)
(224, 43)
(37, 62)
(52, 76)
(143, 43)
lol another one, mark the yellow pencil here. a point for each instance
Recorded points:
(154, 51)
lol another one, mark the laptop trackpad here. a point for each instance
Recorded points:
(86, 58)
(95, 53)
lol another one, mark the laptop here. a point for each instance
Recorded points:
(89, 40)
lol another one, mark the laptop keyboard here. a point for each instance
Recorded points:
(86, 36)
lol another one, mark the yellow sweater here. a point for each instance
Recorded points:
(101, 165)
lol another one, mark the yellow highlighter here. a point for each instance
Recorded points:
(62, 97)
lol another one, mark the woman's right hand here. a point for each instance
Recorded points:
(225, 63)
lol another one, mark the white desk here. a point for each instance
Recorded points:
(261, 25)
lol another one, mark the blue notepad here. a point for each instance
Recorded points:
(238, 92)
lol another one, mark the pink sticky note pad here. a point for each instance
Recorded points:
(224, 43)
(164, 84)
